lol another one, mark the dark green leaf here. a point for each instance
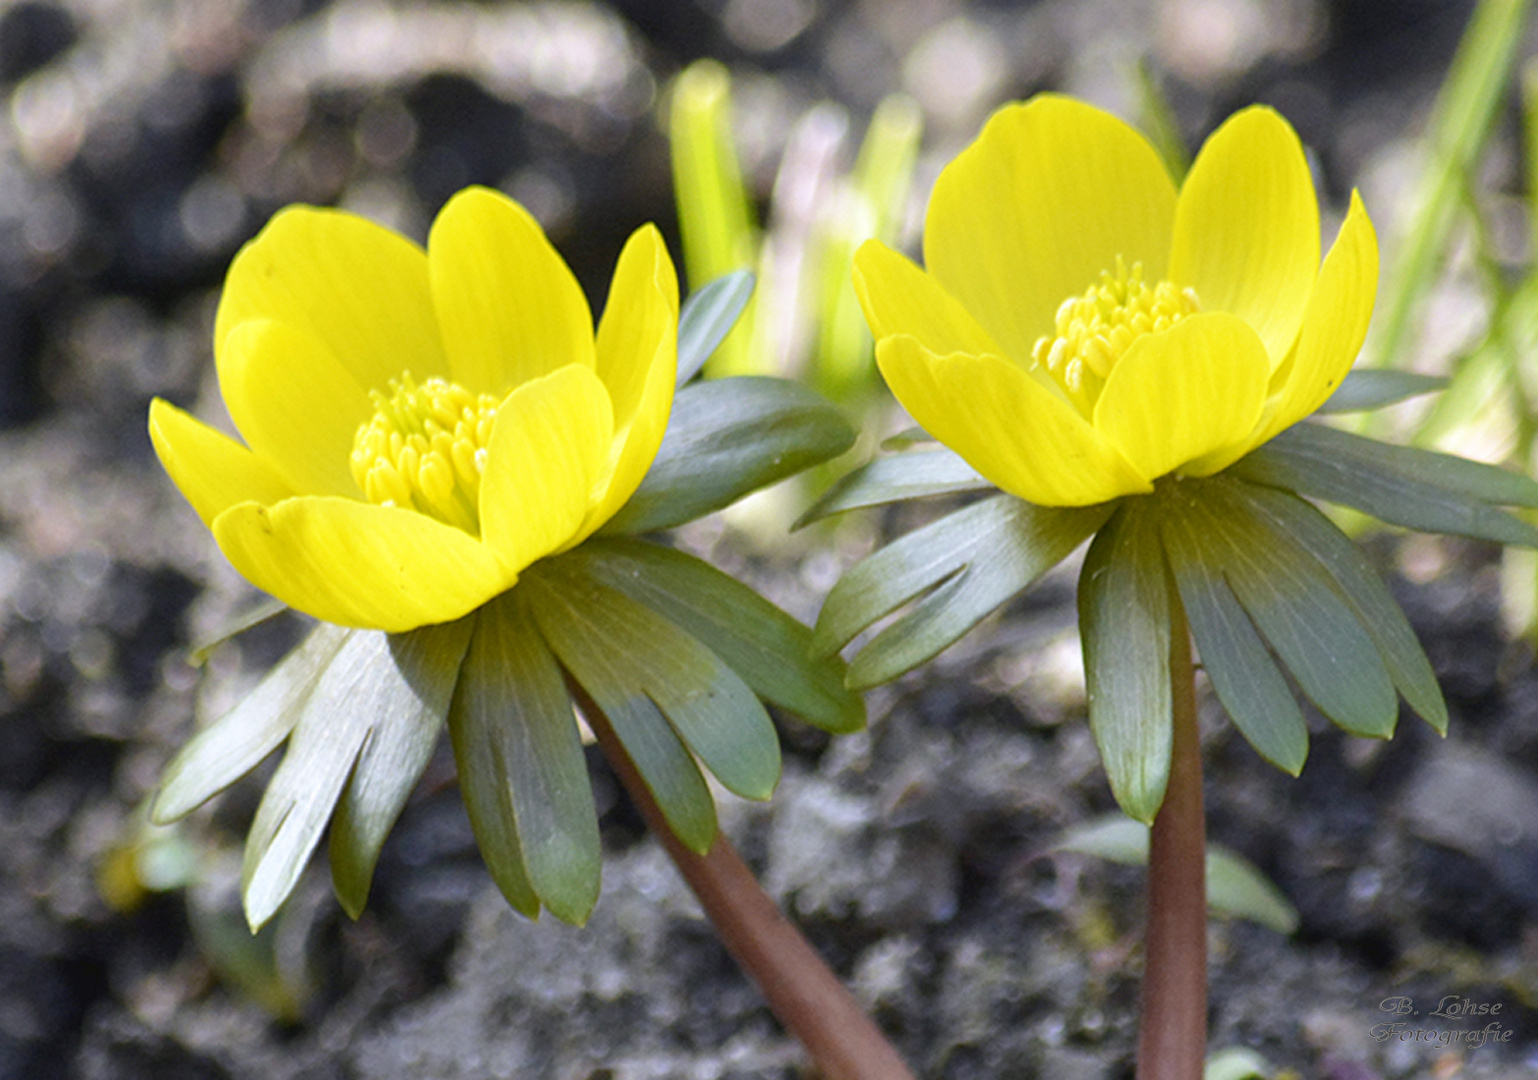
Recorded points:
(768, 648)
(586, 650)
(1420, 489)
(726, 438)
(1373, 388)
(236, 743)
(1297, 608)
(1362, 589)
(522, 771)
(991, 550)
(707, 317)
(1242, 672)
(400, 742)
(913, 475)
(1234, 886)
(1124, 619)
(357, 691)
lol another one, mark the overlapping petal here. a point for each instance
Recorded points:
(1047, 197)
(637, 351)
(509, 307)
(354, 564)
(1208, 374)
(358, 288)
(1010, 428)
(295, 403)
(545, 463)
(1247, 227)
(212, 470)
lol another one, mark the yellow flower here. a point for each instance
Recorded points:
(420, 426)
(1082, 329)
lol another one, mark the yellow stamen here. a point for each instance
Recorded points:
(1095, 330)
(425, 449)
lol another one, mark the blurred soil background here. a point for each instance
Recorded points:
(142, 141)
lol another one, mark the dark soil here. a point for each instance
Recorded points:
(143, 144)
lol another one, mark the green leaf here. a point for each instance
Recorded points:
(974, 560)
(915, 475)
(768, 648)
(1234, 886)
(258, 613)
(707, 317)
(1237, 1063)
(237, 742)
(1366, 389)
(1362, 589)
(522, 771)
(362, 689)
(1420, 489)
(726, 438)
(906, 439)
(1245, 678)
(397, 749)
(714, 712)
(1124, 619)
(1297, 608)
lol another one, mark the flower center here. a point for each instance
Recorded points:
(1094, 330)
(425, 449)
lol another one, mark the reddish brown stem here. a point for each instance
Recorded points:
(1172, 1039)
(806, 996)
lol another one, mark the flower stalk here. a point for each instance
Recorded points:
(806, 997)
(1172, 1036)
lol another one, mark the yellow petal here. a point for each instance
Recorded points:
(1047, 197)
(508, 305)
(295, 404)
(638, 364)
(1009, 427)
(1247, 227)
(1192, 389)
(212, 470)
(899, 298)
(356, 564)
(1335, 323)
(357, 287)
(547, 455)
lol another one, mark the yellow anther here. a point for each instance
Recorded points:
(424, 449)
(1096, 329)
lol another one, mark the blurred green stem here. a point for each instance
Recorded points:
(1172, 1036)
(802, 992)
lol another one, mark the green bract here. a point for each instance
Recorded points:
(675, 653)
(1271, 588)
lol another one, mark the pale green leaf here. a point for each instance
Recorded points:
(915, 475)
(1234, 886)
(237, 742)
(399, 745)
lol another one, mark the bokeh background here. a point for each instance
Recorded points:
(142, 141)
